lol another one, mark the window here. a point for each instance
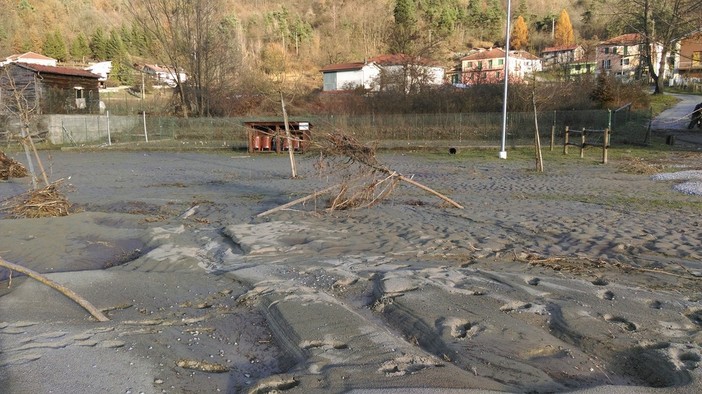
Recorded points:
(625, 62)
(696, 58)
(329, 81)
(606, 50)
(614, 50)
(80, 97)
(607, 64)
(501, 62)
(497, 75)
(490, 63)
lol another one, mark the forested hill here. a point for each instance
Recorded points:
(317, 31)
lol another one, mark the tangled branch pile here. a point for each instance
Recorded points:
(11, 168)
(364, 180)
(39, 203)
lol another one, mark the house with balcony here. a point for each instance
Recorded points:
(689, 61)
(624, 56)
(488, 66)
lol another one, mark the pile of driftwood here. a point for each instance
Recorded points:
(39, 203)
(11, 168)
(364, 181)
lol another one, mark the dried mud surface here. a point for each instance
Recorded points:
(585, 277)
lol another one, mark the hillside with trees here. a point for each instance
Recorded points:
(314, 31)
(235, 47)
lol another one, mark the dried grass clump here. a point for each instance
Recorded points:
(39, 203)
(11, 168)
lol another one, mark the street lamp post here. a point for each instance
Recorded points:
(503, 152)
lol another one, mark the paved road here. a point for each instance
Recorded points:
(677, 117)
(674, 121)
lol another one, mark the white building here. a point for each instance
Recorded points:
(369, 74)
(30, 58)
(102, 69)
(349, 76)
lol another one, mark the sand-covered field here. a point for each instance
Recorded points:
(586, 276)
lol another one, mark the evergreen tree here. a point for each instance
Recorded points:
(48, 48)
(98, 44)
(139, 41)
(441, 16)
(522, 8)
(122, 73)
(603, 93)
(405, 13)
(80, 50)
(520, 34)
(494, 18)
(405, 30)
(473, 13)
(563, 35)
(54, 46)
(115, 48)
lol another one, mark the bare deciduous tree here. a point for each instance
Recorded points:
(15, 100)
(661, 23)
(193, 36)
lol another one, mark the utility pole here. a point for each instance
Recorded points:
(503, 151)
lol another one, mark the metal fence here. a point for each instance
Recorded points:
(465, 129)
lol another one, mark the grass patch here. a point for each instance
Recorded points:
(661, 102)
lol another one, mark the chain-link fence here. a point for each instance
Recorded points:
(460, 129)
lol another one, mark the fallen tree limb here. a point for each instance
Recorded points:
(298, 201)
(429, 190)
(99, 316)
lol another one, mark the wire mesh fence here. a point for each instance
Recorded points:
(462, 129)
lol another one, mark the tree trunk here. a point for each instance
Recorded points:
(288, 137)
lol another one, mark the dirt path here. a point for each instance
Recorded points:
(674, 121)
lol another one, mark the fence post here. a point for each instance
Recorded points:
(582, 144)
(566, 139)
(605, 145)
(109, 138)
(146, 135)
(553, 131)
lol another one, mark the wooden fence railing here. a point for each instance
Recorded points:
(584, 143)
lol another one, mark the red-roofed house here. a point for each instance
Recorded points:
(30, 58)
(51, 90)
(488, 66)
(624, 56)
(381, 72)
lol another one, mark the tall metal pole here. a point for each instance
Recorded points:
(503, 152)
